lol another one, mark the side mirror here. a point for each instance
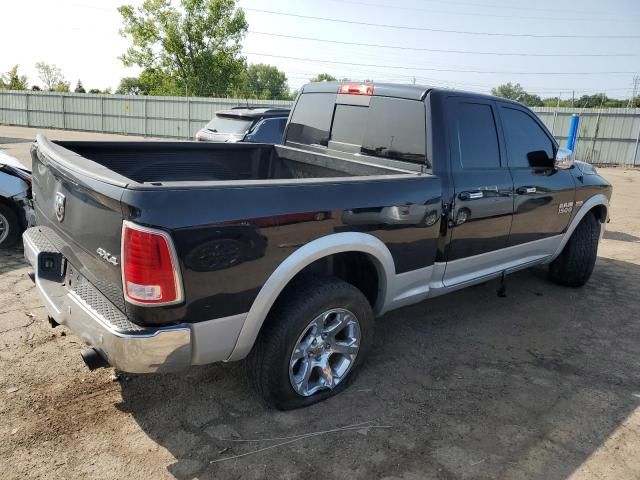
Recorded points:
(564, 159)
(540, 159)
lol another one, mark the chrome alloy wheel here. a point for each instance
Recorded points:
(4, 228)
(325, 352)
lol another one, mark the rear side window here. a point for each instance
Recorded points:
(311, 119)
(396, 129)
(475, 140)
(389, 128)
(523, 137)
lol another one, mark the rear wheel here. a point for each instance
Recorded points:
(9, 227)
(574, 265)
(312, 343)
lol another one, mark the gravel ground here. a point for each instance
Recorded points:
(541, 384)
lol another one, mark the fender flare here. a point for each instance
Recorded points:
(296, 262)
(594, 201)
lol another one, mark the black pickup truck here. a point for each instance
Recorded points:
(165, 255)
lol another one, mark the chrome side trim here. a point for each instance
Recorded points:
(305, 255)
(443, 289)
(506, 259)
(408, 288)
(213, 340)
(598, 199)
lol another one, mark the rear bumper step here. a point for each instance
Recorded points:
(93, 318)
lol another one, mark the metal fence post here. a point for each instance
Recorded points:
(26, 99)
(595, 136)
(102, 113)
(635, 154)
(144, 104)
(188, 117)
(64, 113)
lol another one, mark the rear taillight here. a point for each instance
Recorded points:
(356, 89)
(150, 274)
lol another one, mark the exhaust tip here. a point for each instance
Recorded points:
(93, 359)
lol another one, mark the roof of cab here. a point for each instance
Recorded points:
(398, 90)
(410, 92)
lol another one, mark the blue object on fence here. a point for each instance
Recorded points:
(573, 132)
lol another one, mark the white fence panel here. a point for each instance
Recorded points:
(607, 136)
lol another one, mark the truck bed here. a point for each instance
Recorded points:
(159, 163)
(197, 191)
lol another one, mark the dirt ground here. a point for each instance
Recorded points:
(543, 384)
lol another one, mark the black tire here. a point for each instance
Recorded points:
(574, 265)
(303, 300)
(10, 219)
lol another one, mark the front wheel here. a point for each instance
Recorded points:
(312, 344)
(574, 265)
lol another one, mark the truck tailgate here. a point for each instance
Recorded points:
(83, 215)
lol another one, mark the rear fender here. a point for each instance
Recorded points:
(296, 262)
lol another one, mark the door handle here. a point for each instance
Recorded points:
(471, 195)
(526, 190)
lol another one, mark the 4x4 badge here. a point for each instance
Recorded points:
(59, 206)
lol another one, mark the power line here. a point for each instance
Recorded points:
(303, 59)
(439, 50)
(510, 7)
(436, 30)
(381, 76)
(473, 14)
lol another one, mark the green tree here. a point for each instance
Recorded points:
(79, 88)
(193, 49)
(132, 86)
(591, 101)
(517, 93)
(12, 80)
(106, 91)
(155, 82)
(265, 82)
(62, 87)
(323, 77)
(52, 77)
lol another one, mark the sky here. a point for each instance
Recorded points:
(437, 42)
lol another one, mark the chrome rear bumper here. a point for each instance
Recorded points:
(93, 318)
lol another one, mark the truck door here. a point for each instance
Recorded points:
(482, 206)
(544, 196)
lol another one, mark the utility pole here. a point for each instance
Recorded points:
(555, 114)
(636, 85)
(573, 97)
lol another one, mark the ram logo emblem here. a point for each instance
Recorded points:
(58, 206)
